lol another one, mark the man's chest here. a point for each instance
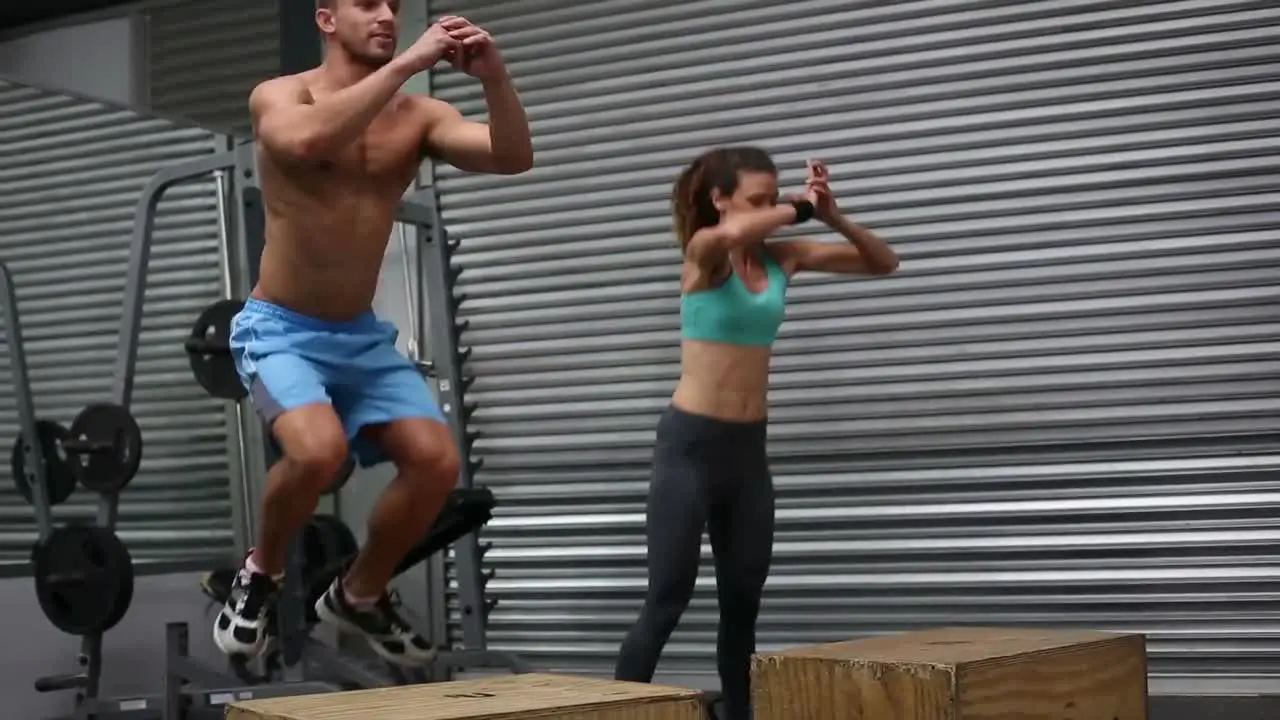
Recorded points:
(386, 155)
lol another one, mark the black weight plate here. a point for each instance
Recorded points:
(326, 540)
(60, 481)
(344, 474)
(84, 578)
(209, 352)
(343, 541)
(105, 448)
(327, 543)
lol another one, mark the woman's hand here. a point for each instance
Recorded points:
(818, 191)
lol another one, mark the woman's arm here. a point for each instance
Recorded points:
(878, 256)
(709, 246)
(866, 253)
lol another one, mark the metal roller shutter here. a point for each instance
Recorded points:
(70, 174)
(204, 58)
(1063, 410)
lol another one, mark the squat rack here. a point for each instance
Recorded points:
(435, 285)
(234, 172)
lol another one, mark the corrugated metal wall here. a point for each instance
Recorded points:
(1064, 410)
(205, 57)
(70, 174)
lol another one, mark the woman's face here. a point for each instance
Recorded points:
(756, 190)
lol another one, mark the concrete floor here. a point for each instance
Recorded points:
(1172, 707)
(1183, 707)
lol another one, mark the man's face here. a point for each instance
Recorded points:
(364, 29)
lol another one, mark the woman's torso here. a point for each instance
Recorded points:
(728, 325)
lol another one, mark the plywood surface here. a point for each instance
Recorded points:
(948, 646)
(529, 696)
(1095, 681)
(816, 689)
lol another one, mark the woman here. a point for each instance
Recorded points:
(710, 466)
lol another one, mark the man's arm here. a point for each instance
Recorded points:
(501, 147)
(291, 125)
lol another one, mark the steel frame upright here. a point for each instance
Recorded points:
(437, 279)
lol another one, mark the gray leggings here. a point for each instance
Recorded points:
(713, 474)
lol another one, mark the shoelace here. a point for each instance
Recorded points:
(257, 590)
(392, 606)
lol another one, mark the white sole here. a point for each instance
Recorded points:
(327, 616)
(230, 646)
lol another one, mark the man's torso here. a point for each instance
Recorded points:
(327, 225)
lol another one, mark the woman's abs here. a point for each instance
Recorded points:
(723, 381)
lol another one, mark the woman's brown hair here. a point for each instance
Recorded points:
(716, 169)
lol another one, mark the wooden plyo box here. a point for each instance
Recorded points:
(508, 697)
(957, 674)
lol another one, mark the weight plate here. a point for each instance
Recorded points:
(327, 544)
(105, 448)
(326, 540)
(344, 474)
(60, 481)
(216, 584)
(209, 351)
(277, 452)
(84, 578)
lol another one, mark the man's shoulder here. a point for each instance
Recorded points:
(295, 86)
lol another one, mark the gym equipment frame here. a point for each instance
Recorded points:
(193, 690)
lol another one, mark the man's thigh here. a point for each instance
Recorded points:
(278, 376)
(381, 390)
(421, 443)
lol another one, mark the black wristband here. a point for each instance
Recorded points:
(804, 211)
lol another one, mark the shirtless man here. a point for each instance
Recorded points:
(337, 147)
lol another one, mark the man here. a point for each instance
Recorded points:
(337, 147)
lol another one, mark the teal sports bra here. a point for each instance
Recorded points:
(732, 314)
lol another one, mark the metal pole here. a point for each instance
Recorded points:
(435, 284)
(247, 248)
(415, 353)
(36, 477)
(241, 491)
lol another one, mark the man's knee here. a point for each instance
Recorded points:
(431, 459)
(320, 458)
(315, 446)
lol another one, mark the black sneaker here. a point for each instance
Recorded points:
(241, 627)
(381, 625)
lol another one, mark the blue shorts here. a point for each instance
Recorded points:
(287, 360)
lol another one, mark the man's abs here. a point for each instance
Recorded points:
(324, 245)
(327, 286)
